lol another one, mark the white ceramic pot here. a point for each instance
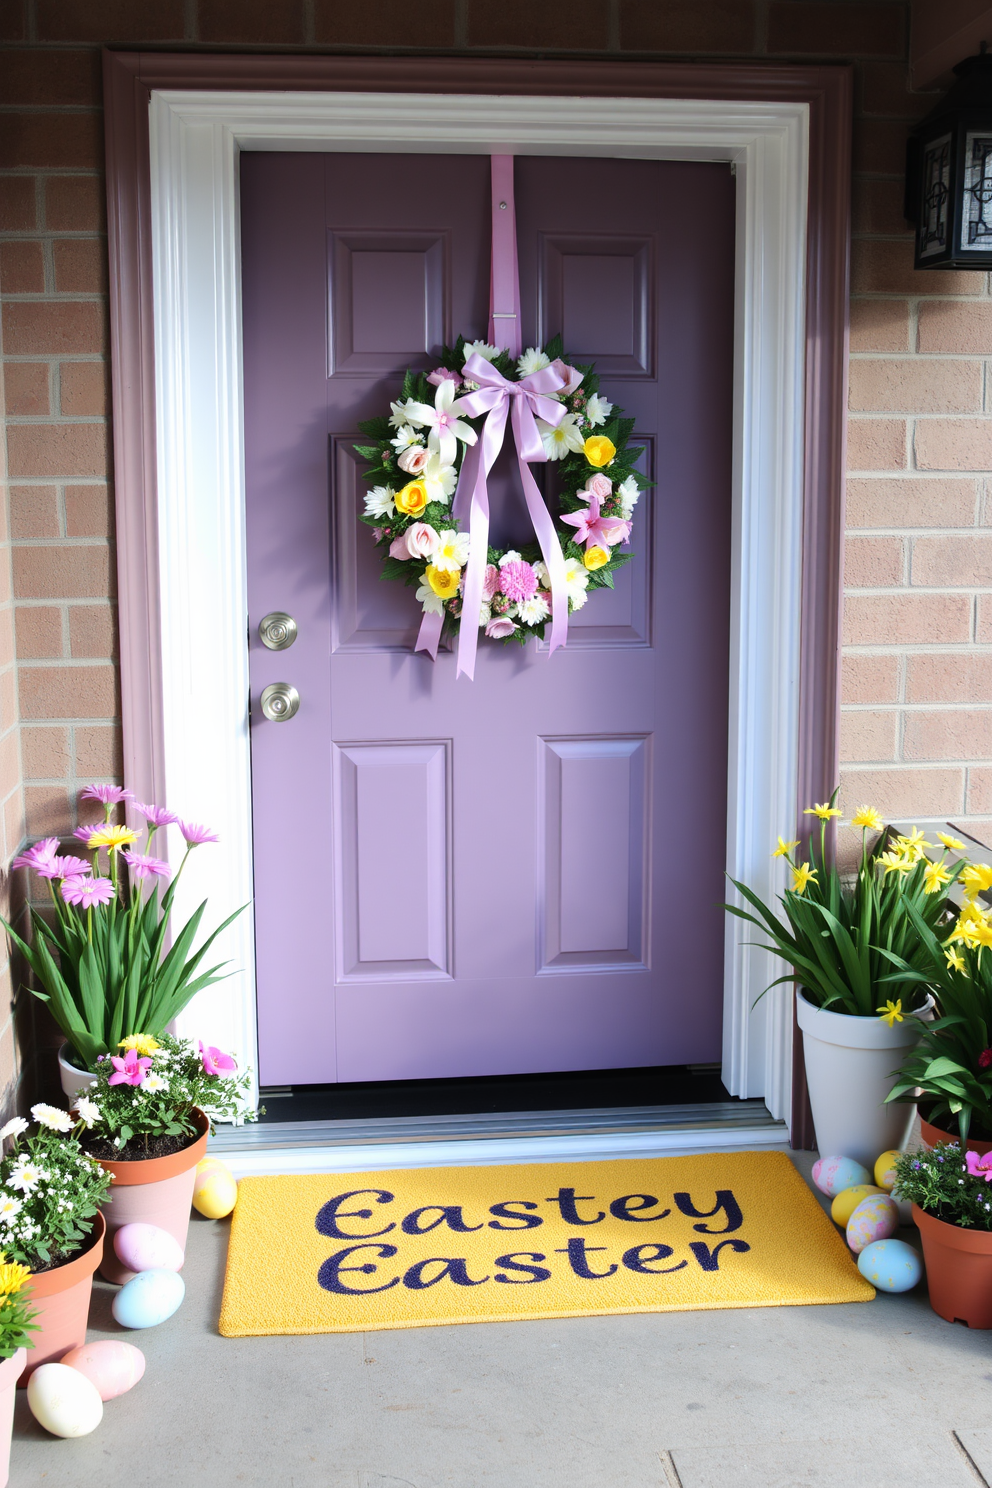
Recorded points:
(73, 1080)
(850, 1069)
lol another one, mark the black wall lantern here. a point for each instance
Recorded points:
(949, 173)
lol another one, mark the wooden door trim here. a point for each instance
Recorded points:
(825, 95)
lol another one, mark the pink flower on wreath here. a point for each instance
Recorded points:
(63, 867)
(517, 580)
(87, 892)
(107, 795)
(130, 1070)
(145, 867)
(490, 582)
(195, 833)
(215, 1061)
(596, 485)
(414, 459)
(41, 853)
(499, 628)
(979, 1166)
(569, 376)
(594, 530)
(156, 816)
(418, 541)
(441, 374)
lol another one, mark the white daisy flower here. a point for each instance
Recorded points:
(52, 1117)
(563, 440)
(533, 611)
(532, 361)
(576, 599)
(510, 557)
(378, 503)
(481, 348)
(629, 496)
(576, 577)
(25, 1176)
(405, 437)
(153, 1083)
(10, 1208)
(453, 551)
(598, 410)
(433, 603)
(87, 1110)
(14, 1127)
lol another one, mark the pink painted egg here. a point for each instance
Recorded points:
(111, 1365)
(875, 1218)
(146, 1247)
(833, 1174)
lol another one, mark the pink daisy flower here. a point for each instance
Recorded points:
(63, 867)
(518, 581)
(194, 833)
(158, 816)
(40, 853)
(87, 892)
(145, 867)
(108, 795)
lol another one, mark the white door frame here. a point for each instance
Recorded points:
(193, 592)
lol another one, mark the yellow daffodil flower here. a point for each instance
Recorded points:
(599, 450)
(784, 848)
(891, 1013)
(868, 819)
(894, 862)
(801, 877)
(976, 878)
(141, 1043)
(934, 877)
(412, 499)
(955, 960)
(595, 557)
(953, 844)
(444, 581)
(914, 845)
(973, 928)
(111, 837)
(824, 812)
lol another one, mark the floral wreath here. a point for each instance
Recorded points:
(415, 457)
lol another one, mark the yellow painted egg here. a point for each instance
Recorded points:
(885, 1170)
(833, 1174)
(64, 1401)
(215, 1191)
(848, 1200)
(875, 1218)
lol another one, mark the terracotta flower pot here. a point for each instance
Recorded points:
(62, 1298)
(932, 1135)
(959, 1270)
(9, 1371)
(153, 1190)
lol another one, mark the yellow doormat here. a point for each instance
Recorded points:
(344, 1252)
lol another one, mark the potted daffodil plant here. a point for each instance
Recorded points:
(839, 935)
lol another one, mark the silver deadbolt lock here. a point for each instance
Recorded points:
(277, 631)
(280, 702)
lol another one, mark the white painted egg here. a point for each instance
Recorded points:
(890, 1265)
(146, 1247)
(110, 1364)
(875, 1218)
(64, 1401)
(833, 1174)
(148, 1299)
(215, 1190)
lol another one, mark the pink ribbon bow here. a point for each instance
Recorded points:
(523, 401)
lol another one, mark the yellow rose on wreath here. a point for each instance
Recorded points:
(444, 581)
(598, 450)
(595, 557)
(412, 499)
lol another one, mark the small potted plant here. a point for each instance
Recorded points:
(104, 962)
(951, 1065)
(50, 1222)
(146, 1116)
(16, 1326)
(952, 1206)
(839, 936)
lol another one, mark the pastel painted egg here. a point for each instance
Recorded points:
(110, 1364)
(833, 1174)
(148, 1299)
(146, 1247)
(890, 1265)
(875, 1218)
(848, 1200)
(885, 1170)
(215, 1191)
(64, 1401)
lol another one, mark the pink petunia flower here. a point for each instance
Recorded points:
(86, 892)
(108, 795)
(979, 1166)
(194, 833)
(518, 581)
(215, 1061)
(130, 1070)
(145, 867)
(156, 815)
(64, 867)
(41, 852)
(441, 374)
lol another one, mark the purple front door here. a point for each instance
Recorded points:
(523, 873)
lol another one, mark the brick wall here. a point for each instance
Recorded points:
(917, 719)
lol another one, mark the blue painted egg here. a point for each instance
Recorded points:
(148, 1299)
(833, 1174)
(891, 1265)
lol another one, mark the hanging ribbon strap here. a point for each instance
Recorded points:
(504, 282)
(523, 401)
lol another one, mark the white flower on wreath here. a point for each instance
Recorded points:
(87, 1110)
(433, 603)
(438, 479)
(405, 436)
(452, 554)
(444, 427)
(543, 577)
(533, 611)
(14, 1127)
(564, 440)
(576, 583)
(511, 557)
(25, 1176)
(598, 410)
(52, 1117)
(629, 495)
(481, 348)
(153, 1083)
(485, 614)
(10, 1208)
(533, 360)
(379, 503)
(398, 414)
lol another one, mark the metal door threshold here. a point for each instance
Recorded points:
(487, 1139)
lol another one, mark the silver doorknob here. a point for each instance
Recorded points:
(280, 702)
(277, 631)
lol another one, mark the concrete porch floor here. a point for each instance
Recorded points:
(883, 1393)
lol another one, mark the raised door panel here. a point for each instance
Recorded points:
(597, 291)
(388, 300)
